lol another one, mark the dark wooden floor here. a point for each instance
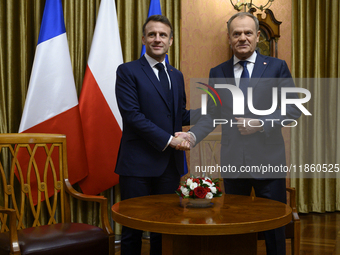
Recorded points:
(320, 235)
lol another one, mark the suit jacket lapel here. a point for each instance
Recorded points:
(228, 70)
(260, 66)
(174, 85)
(228, 75)
(151, 75)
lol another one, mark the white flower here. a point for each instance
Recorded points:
(193, 185)
(185, 191)
(213, 190)
(207, 183)
(189, 181)
(209, 195)
(209, 221)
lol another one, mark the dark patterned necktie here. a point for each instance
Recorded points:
(244, 81)
(163, 78)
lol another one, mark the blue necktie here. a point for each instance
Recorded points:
(244, 81)
(163, 78)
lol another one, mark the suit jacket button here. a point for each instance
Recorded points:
(169, 116)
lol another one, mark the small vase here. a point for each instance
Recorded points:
(199, 202)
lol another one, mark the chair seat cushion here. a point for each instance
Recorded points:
(62, 238)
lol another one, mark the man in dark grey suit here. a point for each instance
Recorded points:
(254, 141)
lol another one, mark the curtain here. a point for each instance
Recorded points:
(316, 64)
(19, 30)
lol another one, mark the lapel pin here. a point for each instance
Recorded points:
(264, 63)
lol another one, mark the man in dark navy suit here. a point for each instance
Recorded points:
(253, 141)
(151, 99)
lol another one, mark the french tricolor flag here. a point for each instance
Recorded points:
(102, 123)
(51, 103)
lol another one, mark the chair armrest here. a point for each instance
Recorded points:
(90, 198)
(13, 234)
(292, 198)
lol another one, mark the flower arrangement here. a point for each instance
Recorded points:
(199, 187)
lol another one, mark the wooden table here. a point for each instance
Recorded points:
(229, 226)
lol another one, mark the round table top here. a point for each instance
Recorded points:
(228, 215)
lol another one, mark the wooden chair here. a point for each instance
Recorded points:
(209, 155)
(293, 228)
(32, 226)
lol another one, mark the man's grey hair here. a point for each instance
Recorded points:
(242, 15)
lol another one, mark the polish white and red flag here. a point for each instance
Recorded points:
(101, 120)
(51, 104)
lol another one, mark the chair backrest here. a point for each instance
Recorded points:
(210, 148)
(32, 172)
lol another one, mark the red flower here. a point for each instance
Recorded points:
(200, 192)
(207, 189)
(191, 193)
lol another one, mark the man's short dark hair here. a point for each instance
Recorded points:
(242, 15)
(159, 18)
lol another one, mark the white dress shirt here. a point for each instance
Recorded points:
(238, 69)
(153, 62)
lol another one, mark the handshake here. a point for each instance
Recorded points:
(183, 141)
